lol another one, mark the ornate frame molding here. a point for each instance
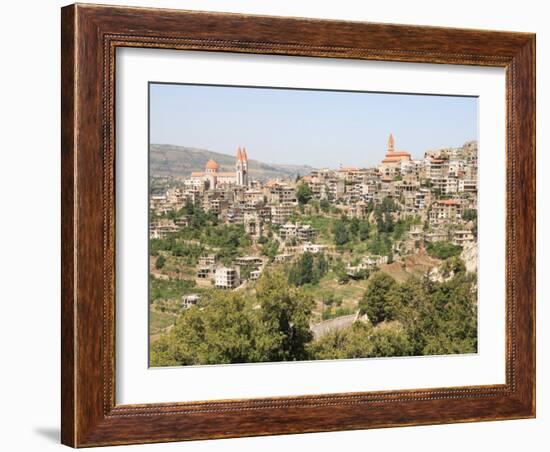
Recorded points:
(90, 37)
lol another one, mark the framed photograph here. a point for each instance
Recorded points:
(282, 225)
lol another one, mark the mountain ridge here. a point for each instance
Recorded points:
(180, 161)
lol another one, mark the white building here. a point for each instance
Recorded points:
(312, 248)
(226, 278)
(190, 300)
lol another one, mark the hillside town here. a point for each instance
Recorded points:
(343, 262)
(438, 191)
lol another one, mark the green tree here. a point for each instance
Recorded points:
(376, 301)
(392, 341)
(341, 233)
(159, 264)
(270, 249)
(469, 215)
(354, 226)
(324, 205)
(320, 267)
(304, 194)
(361, 340)
(339, 269)
(380, 244)
(308, 269)
(364, 231)
(439, 317)
(443, 250)
(221, 333)
(284, 318)
(453, 266)
(301, 272)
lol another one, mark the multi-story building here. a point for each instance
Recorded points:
(281, 193)
(367, 263)
(463, 237)
(226, 278)
(301, 232)
(249, 260)
(445, 210)
(280, 214)
(159, 229)
(253, 222)
(336, 187)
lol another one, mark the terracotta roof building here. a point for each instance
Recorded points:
(213, 177)
(393, 157)
(212, 166)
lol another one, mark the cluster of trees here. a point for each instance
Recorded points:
(417, 317)
(381, 244)
(194, 213)
(308, 269)
(269, 247)
(443, 250)
(177, 247)
(380, 236)
(324, 205)
(383, 215)
(340, 271)
(231, 240)
(437, 317)
(346, 230)
(362, 340)
(204, 231)
(403, 225)
(231, 328)
(471, 215)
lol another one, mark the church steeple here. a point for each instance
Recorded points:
(241, 166)
(391, 143)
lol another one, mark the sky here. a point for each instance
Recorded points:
(308, 127)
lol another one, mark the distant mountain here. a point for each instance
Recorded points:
(180, 161)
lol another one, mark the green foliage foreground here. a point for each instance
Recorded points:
(417, 317)
(228, 328)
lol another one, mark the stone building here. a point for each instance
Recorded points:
(226, 278)
(391, 164)
(212, 178)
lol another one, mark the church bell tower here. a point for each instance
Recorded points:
(241, 166)
(391, 143)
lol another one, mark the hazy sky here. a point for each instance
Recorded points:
(317, 128)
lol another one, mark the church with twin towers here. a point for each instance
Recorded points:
(241, 167)
(212, 178)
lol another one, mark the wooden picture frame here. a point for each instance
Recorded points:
(90, 36)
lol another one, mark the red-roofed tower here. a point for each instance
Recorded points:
(241, 166)
(391, 143)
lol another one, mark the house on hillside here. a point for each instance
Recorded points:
(226, 278)
(190, 300)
